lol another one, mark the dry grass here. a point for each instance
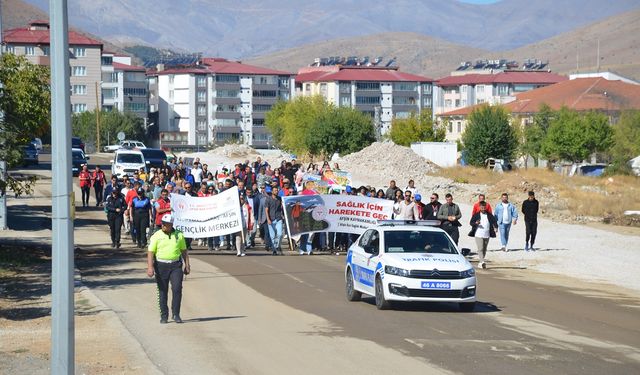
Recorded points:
(576, 196)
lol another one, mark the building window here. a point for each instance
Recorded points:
(202, 96)
(261, 107)
(225, 122)
(368, 86)
(264, 80)
(262, 137)
(426, 89)
(323, 89)
(225, 108)
(227, 78)
(135, 91)
(135, 107)
(307, 88)
(202, 139)
(152, 107)
(226, 94)
(367, 100)
(480, 88)
(79, 89)
(426, 102)
(226, 136)
(202, 125)
(345, 87)
(402, 115)
(79, 107)
(345, 101)
(404, 100)
(171, 78)
(284, 95)
(30, 50)
(10, 49)
(202, 110)
(405, 86)
(258, 122)
(283, 82)
(80, 52)
(457, 103)
(109, 93)
(459, 127)
(450, 127)
(107, 60)
(503, 90)
(45, 50)
(201, 81)
(265, 93)
(79, 71)
(447, 103)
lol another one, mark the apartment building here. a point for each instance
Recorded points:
(85, 56)
(459, 91)
(124, 86)
(580, 94)
(216, 101)
(381, 92)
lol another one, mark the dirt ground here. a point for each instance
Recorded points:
(25, 322)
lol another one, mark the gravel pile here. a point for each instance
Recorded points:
(381, 162)
(234, 151)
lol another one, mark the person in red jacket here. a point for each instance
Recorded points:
(98, 179)
(476, 206)
(85, 185)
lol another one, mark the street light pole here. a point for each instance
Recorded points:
(62, 319)
(97, 120)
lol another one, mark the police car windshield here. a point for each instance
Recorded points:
(130, 158)
(415, 241)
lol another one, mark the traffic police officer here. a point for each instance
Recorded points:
(165, 258)
(141, 206)
(115, 206)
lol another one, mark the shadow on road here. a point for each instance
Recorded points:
(436, 307)
(212, 318)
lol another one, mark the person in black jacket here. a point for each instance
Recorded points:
(530, 211)
(115, 205)
(483, 227)
(430, 210)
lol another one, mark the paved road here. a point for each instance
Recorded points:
(520, 326)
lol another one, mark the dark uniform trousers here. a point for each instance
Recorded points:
(115, 225)
(165, 273)
(140, 223)
(531, 229)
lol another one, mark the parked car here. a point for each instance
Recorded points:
(37, 143)
(30, 154)
(78, 159)
(76, 142)
(153, 157)
(124, 144)
(126, 162)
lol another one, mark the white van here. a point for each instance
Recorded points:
(126, 162)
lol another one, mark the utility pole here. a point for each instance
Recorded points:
(62, 306)
(3, 164)
(598, 58)
(98, 108)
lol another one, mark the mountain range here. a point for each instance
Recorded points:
(246, 28)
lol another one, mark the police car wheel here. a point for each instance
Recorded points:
(381, 302)
(467, 306)
(352, 294)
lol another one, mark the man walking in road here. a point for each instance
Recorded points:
(407, 209)
(530, 211)
(483, 227)
(115, 206)
(450, 215)
(167, 252)
(476, 206)
(506, 215)
(430, 210)
(275, 215)
(98, 179)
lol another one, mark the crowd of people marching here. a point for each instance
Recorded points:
(138, 203)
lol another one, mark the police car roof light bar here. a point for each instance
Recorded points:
(427, 223)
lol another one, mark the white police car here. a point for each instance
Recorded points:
(409, 261)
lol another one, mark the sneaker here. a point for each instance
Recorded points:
(118, 245)
(301, 252)
(483, 265)
(243, 254)
(504, 248)
(526, 247)
(310, 252)
(274, 252)
(177, 319)
(113, 245)
(163, 321)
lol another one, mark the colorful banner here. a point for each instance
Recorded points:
(202, 217)
(342, 178)
(334, 213)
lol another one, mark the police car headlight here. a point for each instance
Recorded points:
(468, 273)
(389, 270)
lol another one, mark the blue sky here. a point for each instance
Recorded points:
(480, 1)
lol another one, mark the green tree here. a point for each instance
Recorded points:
(312, 125)
(416, 128)
(489, 135)
(533, 135)
(25, 102)
(574, 136)
(626, 140)
(111, 123)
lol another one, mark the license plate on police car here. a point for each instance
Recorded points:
(435, 285)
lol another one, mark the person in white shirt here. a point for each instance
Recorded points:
(407, 209)
(196, 171)
(412, 188)
(506, 215)
(483, 227)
